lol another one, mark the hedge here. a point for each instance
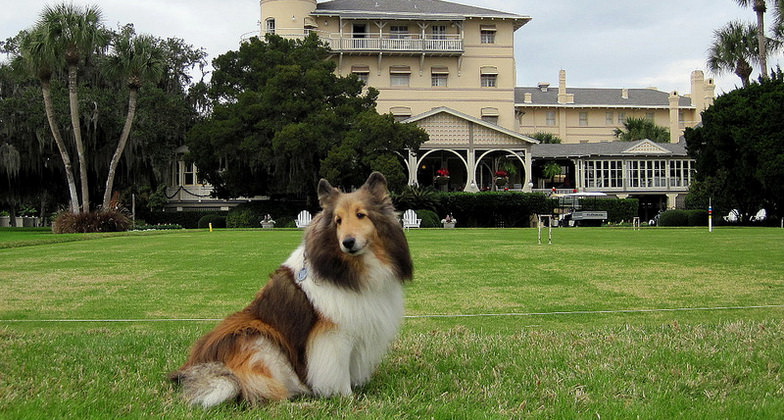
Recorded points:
(216, 220)
(493, 209)
(684, 218)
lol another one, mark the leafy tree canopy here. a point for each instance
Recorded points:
(640, 129)
(166, 110)
(281, 118)
(739, 149)
(546, 138)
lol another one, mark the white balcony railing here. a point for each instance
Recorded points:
(393, 43)
(369, 43)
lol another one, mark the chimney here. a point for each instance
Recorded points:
(563, 97)
(528, 98)
(624, 93)
(675, 115)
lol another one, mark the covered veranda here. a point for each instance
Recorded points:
(468, 154)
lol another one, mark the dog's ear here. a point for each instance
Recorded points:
(377, 185)
(326, 193)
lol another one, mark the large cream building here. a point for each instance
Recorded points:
(450, 68)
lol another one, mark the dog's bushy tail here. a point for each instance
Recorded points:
(207, 384)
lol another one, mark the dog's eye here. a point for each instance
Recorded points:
(338, 220)
(360, 215)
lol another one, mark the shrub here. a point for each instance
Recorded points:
(429, 218)
(697, 217)
(96, 221)
(216, 220)
(416, 197)
(243, 217)
(674, 218)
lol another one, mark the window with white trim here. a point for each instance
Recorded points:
(487, 34)
(550, 118)
(489, 80)
(439, 31)
(398, 32)
(646, 173)
(399, 76)
(603, 173)
(187, 173)
(680, 173)
(362, 73)
(439, 76)
(270, 25)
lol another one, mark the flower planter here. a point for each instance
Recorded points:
(18, 221)
(442, 180)
(267, 225)
(501, 181)
(449, 225)
(5, 221)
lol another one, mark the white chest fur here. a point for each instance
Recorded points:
(366, 322)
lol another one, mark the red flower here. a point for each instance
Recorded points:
(501, 173)
(442, 172)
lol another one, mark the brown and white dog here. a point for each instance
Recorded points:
(326, 317)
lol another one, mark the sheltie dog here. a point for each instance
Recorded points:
(325, 319)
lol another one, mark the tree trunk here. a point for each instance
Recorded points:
(73, 97)
(46, 90)
(107, 194)
(759, 7)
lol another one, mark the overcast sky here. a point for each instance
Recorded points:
(600, 43)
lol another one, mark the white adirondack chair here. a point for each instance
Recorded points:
(410, 219)
(303, 219)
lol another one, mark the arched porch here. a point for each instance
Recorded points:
(472, 151)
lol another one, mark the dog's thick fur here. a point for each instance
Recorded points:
(326, 317)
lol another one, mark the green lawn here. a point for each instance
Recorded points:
(610, 323)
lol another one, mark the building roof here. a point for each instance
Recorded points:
(411, 9)
(640, 148)
(588, 97)
(521, 137)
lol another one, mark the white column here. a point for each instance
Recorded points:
(471, 172)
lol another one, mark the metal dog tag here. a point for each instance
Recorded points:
(302, 275)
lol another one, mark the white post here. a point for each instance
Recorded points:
(710, 215)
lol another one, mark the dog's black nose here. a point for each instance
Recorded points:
(348, 243)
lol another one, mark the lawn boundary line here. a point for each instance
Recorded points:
(607, 311)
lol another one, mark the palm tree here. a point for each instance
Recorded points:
(759, 8)
(642, 128)
(136, 60)
(41, 59)
(778, 20)
(74, 34)
(734, 47)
